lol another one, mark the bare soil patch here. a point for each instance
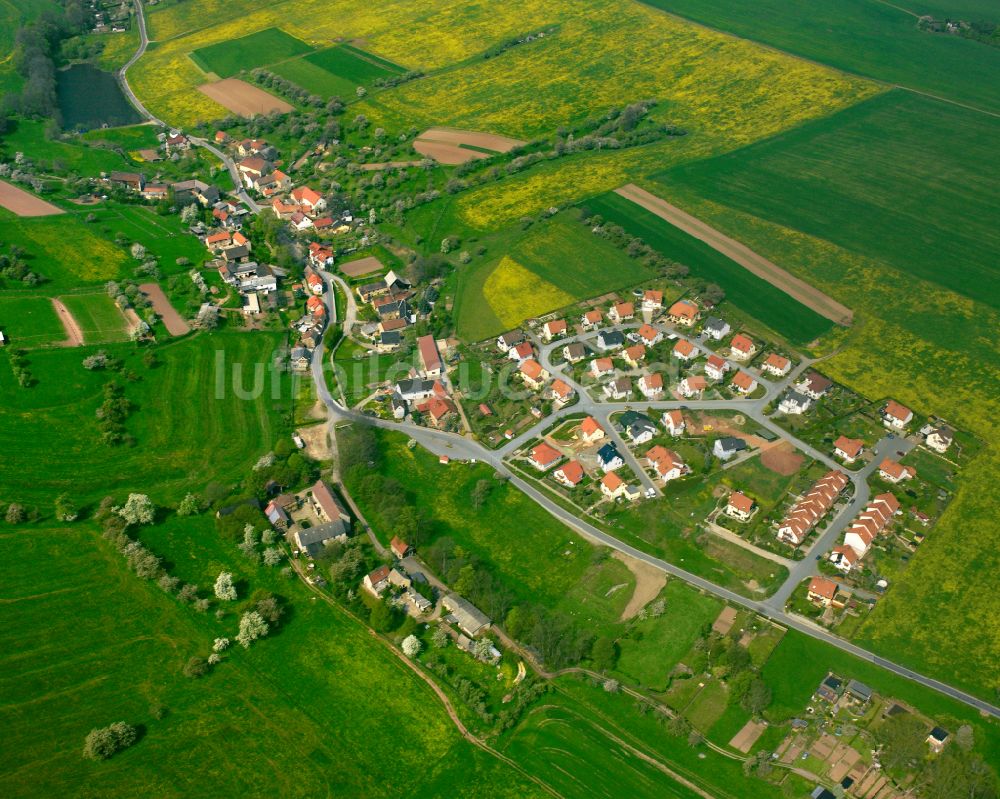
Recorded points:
(363, 266)
(25, 203)
(74, 335)
(747, 737)
(808, 295)
(176, 326)
(649, 581)
(444, 144)
(317, 438)
(725, 620)
(782, 458)
(448, 154)
(242, 98)
(388, 165)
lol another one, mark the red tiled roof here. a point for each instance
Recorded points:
(823, 587)
(741, 502)
(683, 309)
(741, 343)
(683, 347)
(572, 471)
(849, 446)
(544, 455)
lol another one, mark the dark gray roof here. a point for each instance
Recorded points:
(732, 444)
(859, 689)
(612, 337)
(390, 338)
(608, 453)
(714, 323)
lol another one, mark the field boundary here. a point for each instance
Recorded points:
(767, 270)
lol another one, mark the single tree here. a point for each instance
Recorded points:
(224, 588)
(440, 637)
(138, 509)
(252, 627)
(411, 646)
(15, 513)
(190, 505)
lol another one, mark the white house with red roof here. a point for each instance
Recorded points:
(600, 367)
(848, 449)
(673, 421)
(543, 457)
(683, 312)
(649, 335)
(684, 350)
(591, 319)
(651, 386)
(742, 347)
(740, 506)
(716, 367)
(591, 431)
(844, 558)
(430, 358)
(621, 312)
(561, 392)
(811, 507)
(894, 472)
(521, 352)
(777, 365)
(744, 382)
(569, 474)
(533, 373)
(667, 464)
(554, 328)
(692, 386)
(652, 300)
(896, 416)
(311, 201)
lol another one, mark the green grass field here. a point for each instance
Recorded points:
(352, 64)
(29, 321)
(258, 49)
(745, 290)
(186, 435)
(28, 136)
(919, 174)
(647, 658)
(131, 137)
(868, 37)
(97, 315)
(562, 253)
(86, 642)
(314, 79)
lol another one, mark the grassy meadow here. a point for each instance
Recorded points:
(86, 642)
(230, 57)
(29, 321)
(97, 315)
(751, 294)
(28, 136)
(868, 37)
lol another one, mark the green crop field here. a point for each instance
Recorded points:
(187, 430)
(97, 315)
(29, 321)
(919, 174)
(86, 642)
(258, 49)
(353, 65)
(868, 37)
(783, 314)
(647, 658)
(558, 260)
(314, 79)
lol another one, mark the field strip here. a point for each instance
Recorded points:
(25, 203)
(175, 324)
(810, 296)
(74, 336)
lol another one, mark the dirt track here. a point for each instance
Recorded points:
(172, 320)
(242, 98)
(74, 336)
(810, 296)
(649, 581)
(24, 203)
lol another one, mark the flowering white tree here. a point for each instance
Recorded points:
(272, 556)
(224, 588)
(440, 637)
(482, 648)
(138, 509)
(411, 646)
(138, 251)
(220, 645)
(252, 627)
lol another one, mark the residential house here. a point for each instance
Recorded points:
(811, 507)
(465, 615)
(599, 367)
(327, 506)
(569, 474)
(412, 390)
(221, 137)
(939, 439)
(667, 463)
(609, 458)
(634, 355)
(299, 221)
(251, 147)
(314, 282)
(399, 547)
(388, 341)
(652, 300)
(277, 511)
(521, 352)
(870, 522)
(815, 386)
(533, 374)
(311, 201)
(716, 367)
(612, 486)
(508, 340)
(543, 457)
(936, 740)
(894, 472)
(251, 168)
(618, 389)
(574, 353)
(822, 591)
(649, 335)
(398, 405)
(742, 347)
(683, 312)
(251, 305)
(848, 449)
(284, 210)
(621, 312)
(638, 428)
(673, 421)
(859, 692)
(299, 359)
(844, 558)
(377, 581)
(561, 391)
(896, 416)
(437, 410)
(129, 180)
(155, 191)
(727, 447)
(716, 329)
(591, 319)
(553, 328)
(651, 386)
(830, 689)
(591, 431)
(610, 340)
(794, 403)
(684, 350)
(692, 386)
(744, 382)
(430, 358)
(777, 365)
(740, 506)
(219, 240)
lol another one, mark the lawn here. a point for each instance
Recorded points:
(28, 137)
(131, 137)
(868, 37)
(190, 426)
(29, 321)
(538, 559)
(97, 315)
(552, 265)
(783, 314)
(231, 57)
(86, 642)
(63, 249)
(918, 172)
(655, 645)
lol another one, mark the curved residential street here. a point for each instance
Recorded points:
(462, 448)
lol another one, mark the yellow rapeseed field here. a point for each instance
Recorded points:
(515, 293)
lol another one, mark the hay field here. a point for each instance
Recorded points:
(97, 315)
(515, 293)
